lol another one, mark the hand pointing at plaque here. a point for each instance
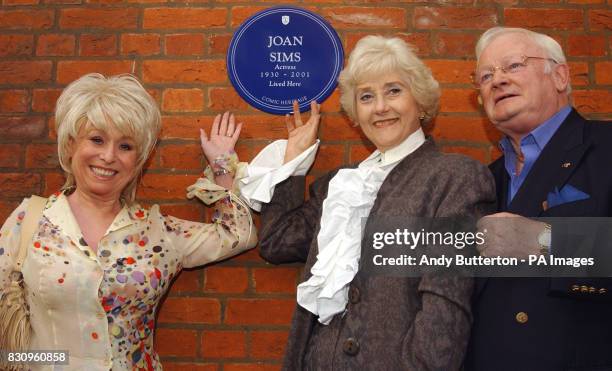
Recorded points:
(301, 135)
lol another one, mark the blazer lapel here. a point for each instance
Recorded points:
(501, 183)
(556, 163)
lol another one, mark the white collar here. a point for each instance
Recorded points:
(397, 153)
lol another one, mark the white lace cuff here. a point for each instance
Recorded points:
(267, 170)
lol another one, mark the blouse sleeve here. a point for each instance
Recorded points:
(268, 169)
(9, 243)
(231, 231)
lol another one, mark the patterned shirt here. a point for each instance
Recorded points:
(101, 306)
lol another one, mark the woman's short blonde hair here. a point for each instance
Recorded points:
(96, 102)
(375, 56)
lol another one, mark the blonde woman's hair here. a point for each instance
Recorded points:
(97, 102)
(375, 56)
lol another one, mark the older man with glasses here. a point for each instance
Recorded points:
(554, 164)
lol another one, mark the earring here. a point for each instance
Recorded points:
(479, 99)
(422, 116)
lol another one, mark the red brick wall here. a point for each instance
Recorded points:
(235, 315)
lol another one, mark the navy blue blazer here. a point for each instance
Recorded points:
(550, 323)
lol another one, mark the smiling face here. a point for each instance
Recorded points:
(103, 162)
(518, 102)
(386, 110)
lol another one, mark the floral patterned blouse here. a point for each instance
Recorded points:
(101, 306)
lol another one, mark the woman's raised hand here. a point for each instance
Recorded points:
(301, 135)
(223, 136)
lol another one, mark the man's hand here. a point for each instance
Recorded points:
(301, 136)
(509, 235)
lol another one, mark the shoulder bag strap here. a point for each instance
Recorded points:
(28, 227)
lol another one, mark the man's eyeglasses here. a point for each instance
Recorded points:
(483, 76)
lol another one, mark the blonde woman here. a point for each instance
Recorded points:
(99, 263)
(346, 319)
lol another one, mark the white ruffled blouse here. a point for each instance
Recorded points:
(350, 197)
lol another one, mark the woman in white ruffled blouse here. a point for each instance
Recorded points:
(345, 318)
(99, 263)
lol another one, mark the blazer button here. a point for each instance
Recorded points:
(575, 288)
(350, 346)
(522, 317)
(354, 295)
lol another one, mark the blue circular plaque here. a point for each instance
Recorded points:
(282, 54)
